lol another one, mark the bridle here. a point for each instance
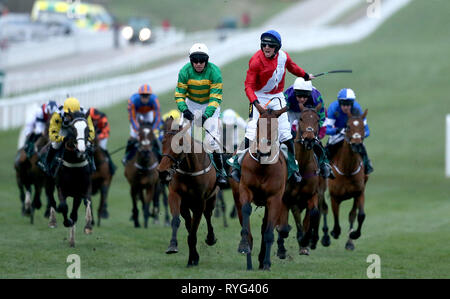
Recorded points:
(304, 141)
(175, 167)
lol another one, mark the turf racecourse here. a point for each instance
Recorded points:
(400, 75)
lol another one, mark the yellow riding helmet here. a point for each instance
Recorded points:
(174, 113)
(71, 105)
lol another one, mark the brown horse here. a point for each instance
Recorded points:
(305, 195)
(101, 180)
(28, 174)
(350, 181)
(192, 186)
(263, 181)
(141, 173)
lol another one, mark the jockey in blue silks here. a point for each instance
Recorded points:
(336, 123)
(142, 105)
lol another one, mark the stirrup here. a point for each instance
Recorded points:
(235, 175)
(296, 177)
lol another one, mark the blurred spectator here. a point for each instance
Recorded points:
(245, 19)
(3, 9)
(166, 25)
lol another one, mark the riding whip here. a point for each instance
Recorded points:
(335, 71)
(117, 150)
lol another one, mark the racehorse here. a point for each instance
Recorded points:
(305, 195)
(263, 180)
(192, 186)
(73, 176)
(350, 181)
(101, 179)
(28, 174)
(141, 173)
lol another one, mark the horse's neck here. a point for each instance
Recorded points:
(194, 161)
(346, 159)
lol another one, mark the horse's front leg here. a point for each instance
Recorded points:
(337, 228)
(323, 208)
(210, 204)
(88, 218)
(175, 204)
(146, 203)
(314, 214)
(63, 208)
(135, 212)
(246, 243)
(361, 216)
(103, 206)
(283, 232)
(192, 237)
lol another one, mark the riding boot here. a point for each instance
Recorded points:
(48, 161)
(130, 150)
(157, 149)
(324, 165)
(235, 173)
(221, 179)
(367, 163)
(296, 176)
(112, 166)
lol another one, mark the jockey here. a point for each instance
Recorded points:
(336, 123)
(304, 92)
(57, 131)
(264, 82)
(231, 122)
(199, 92)
(101, 126)
(145, 105)
(35, 128)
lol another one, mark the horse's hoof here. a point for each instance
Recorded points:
(68, 223)
(37, 205)
(52, 225)
(281, 254)
(304, 251)
(354, 235)
(326, 241)
(172, 249)
(244, 248)
(266, 268)
(87, 230)
(349, 246)
(137, 225)
(313, 246)
(211, 241)
(104, 214)
(335, 234)
(72, 244)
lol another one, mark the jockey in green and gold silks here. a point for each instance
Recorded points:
(199, 94)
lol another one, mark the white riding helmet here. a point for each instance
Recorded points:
(301, 84)
(229, 117)
(199, 48)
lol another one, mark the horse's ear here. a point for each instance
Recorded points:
(319, 107)
(365, 114)
(349, 114)
(302, 107)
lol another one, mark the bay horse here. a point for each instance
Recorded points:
(350, 181)
(101, 179)
(29, 175)
(73, 176)
(305, 195)
(141, 173)
(263, 181)
(192, 186)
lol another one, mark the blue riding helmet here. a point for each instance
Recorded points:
(346, 96)
(271, 37)
(51, 107)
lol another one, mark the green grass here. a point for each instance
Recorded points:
(193, 15)
(400, 75)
